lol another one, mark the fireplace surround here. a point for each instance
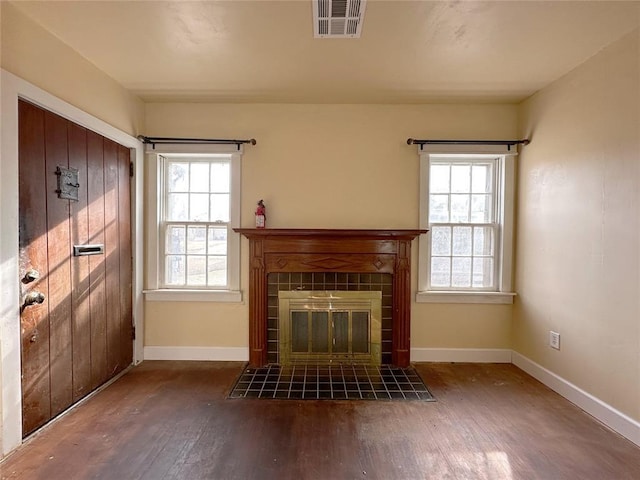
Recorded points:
(329, 250)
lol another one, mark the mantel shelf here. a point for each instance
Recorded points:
(327, 232)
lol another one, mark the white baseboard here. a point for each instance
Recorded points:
(614, 419)
(222, 354)
(470, 355)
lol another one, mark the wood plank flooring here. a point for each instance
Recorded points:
(172, 420)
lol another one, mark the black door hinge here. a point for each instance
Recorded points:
(133, 332)
(131, 169)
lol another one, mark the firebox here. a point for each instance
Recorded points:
(329, 327)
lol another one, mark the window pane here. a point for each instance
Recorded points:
(175, 269)
(218, 241)
(483, 241)
(199, 207)
(481, 178)
(178, 177)
(220, 207)
(460, 178)
(438, 208)
(196, 270)
(220, 177)
(177, 206)
(461, 272)
(462, 241)
(217, 270)
(481, 208)
(441, 240)
(440, 272)
(483, 272)
(197, 240)
(460, 208)
(175, 239)
(199, 177)
(439, 179)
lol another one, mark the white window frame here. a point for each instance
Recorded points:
(505, 197)
(155, 255)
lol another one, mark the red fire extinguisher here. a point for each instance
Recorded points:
(261, 215)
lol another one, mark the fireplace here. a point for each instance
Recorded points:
(293, 253)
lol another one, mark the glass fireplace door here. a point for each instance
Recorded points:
(327, 332)
(327, 327)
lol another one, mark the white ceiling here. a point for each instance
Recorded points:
(264, 51)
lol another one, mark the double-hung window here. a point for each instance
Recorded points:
(467, 206)
(195, 252)
(196, 220)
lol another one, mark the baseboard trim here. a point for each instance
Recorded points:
(221, 354)
(471, 355)
(614, 419)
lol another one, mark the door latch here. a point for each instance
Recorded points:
(32, 298)
(31, 276)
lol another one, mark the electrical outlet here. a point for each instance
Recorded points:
(554, 340)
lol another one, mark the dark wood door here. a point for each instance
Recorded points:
(76, 316)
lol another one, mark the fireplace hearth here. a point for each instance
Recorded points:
(309, 251)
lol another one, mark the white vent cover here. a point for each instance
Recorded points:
(338, 18)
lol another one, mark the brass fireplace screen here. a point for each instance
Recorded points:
(330, 327)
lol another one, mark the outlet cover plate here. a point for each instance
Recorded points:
(554, 340)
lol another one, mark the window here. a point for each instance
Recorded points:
(462, 219)
(196, 221)
(195, 250)
(467, 205)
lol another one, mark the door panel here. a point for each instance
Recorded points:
(126, 255)
(58, 242)
(112, 262)
(33, 256)
(97, 273)
(80, 279)
(79, 336)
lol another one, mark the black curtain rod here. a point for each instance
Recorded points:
(509, 143)
(192, 141)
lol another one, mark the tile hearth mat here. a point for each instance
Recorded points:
(335, 382)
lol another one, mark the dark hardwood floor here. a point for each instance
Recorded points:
(172, 420)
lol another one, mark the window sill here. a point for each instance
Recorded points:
(503, 298)
(177, 295)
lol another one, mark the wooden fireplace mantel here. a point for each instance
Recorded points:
(329, 250)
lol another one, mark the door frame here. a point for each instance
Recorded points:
(13, 88)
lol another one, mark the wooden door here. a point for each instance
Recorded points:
(76, 316)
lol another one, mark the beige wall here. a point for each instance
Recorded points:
(330, 166)
(578, 240)
(35, 55)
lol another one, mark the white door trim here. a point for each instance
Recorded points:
(13, 88)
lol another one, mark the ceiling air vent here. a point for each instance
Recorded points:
(338, 18)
